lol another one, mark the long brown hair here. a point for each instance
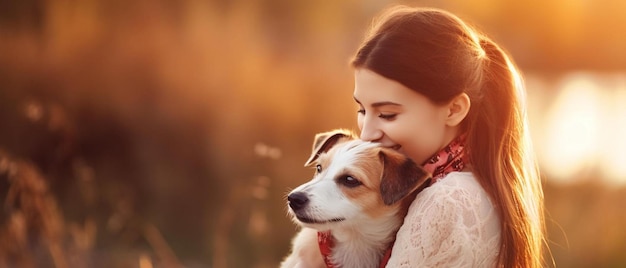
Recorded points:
(436, 54)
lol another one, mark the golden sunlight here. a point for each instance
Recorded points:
(614, 135)
(583, 130)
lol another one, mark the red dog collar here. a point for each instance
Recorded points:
(326, 243)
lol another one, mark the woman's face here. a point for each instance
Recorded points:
(399, 117)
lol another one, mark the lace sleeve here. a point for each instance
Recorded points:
(450, 224)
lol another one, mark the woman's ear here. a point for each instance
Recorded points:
(458, 109)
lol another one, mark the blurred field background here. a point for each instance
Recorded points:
(167, 133)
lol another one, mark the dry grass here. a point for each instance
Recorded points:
(34, 233)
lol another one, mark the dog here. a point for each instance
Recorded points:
(357, 199)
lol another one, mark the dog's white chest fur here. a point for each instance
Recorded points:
(364, 247)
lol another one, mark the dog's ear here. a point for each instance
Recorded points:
(401, 176)
(324, 141)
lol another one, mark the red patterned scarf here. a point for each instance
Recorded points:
(451, 158)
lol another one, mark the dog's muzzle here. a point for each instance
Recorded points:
(298, 202)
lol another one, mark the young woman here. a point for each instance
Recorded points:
(434, 88)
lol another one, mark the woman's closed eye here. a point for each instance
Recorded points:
(387, 116)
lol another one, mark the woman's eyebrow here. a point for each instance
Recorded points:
(385, 103)
(379, 104)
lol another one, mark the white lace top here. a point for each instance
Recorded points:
(452, 223)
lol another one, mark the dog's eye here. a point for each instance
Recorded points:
(318, 168)
(349, 181)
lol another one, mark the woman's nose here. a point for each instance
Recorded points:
(370, 132)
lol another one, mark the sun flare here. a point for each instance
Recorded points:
(583, 130)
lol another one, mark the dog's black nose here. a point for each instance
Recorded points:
(297, 200)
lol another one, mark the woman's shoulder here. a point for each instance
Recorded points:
(456, 212)
(464, 179)
(456, 192)
(456, 184)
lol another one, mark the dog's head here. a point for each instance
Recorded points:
(354, 181)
